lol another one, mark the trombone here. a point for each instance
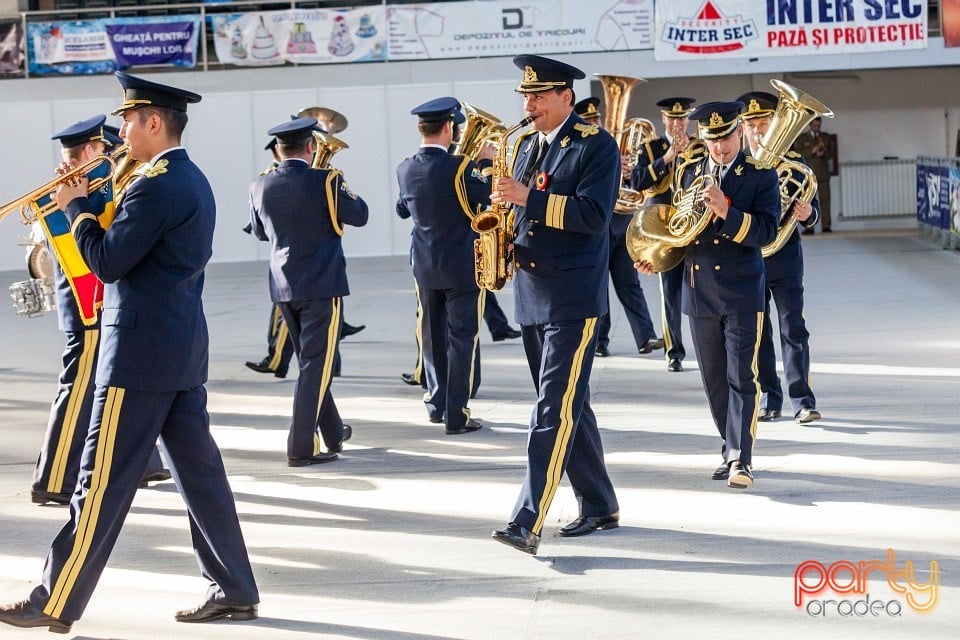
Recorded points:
(39, 203)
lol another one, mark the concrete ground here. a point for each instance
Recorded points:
(393, 540)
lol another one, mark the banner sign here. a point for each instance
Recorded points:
(108, 44)
(11, 49)
(950, 22)
(698, 29)
(933, 192)
(502, 28)
(955, 200)
(303, 36)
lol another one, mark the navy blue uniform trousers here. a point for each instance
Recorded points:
(626, 284)
(563, 433)
(787, 294)
(125, 426)
(671, 295)
(314, 326)
(726, 348)
(451, 359)
(59, 462)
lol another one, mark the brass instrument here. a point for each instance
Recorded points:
(616, 98)
(479, 129)
(492, 254)
(124, 171)
(29, 205)
(331, 121)
(327, 144)
(795, 110)
(659, 233)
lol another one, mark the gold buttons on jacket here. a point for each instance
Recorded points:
(516, 265)
(716, 267)
(530, 233)
(716, 241)
(696, 242)
(697, 267)
(533, 265)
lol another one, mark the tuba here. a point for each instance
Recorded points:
(491, 251)
(327, 144)
(658, 233)
(38, 203)
(479, 129)
(616, 98)
(795, 110)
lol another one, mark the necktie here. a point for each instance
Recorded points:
(534, 165)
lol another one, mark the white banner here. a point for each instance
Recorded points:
(304, 36)
(501, 28)
(698, 29)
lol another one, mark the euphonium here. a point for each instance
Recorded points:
(795, 110)
(491, 251)
(479, 129)
(616, 98)
(658, 233)
(29, 204)
(327, 144)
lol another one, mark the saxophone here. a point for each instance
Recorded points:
(492, 254)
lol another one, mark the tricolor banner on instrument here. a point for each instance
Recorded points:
(499, 28)
(700, 29)
(87, 287)
(11, 49)
(303, 36)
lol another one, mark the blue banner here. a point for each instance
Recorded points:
(933, 192)
(108, 44)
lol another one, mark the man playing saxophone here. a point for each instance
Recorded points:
(566, 176)
(723, 284)
(784, 283)
(441, 191)
(653, 173)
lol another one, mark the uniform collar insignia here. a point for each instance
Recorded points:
(739, 170)
(586, 129)
(564, 142)
(699, 169)
(347, 192)
(157, 169)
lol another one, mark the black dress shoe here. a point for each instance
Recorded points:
(471, 425)
(154, 476)
(651, 345)
(768, 415)
(602, 351)
(828, 230)
(507, 334)
(347, 434)
(24, 614)
(260, 367)
(349, 329)
(741, 476)
(588, 524)
(517, 537)
(808, 232)
(410, 379)
(212, 611)
(807, 415)
(320, 458)
(38, 496)
(674, 365)
(280, 373)
(722, 472)
(436, 418)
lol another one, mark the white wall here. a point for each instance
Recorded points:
(900, 113)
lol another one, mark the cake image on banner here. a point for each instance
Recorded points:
(366, 28)
(301, 40)
(264, 47)
(341, 44)
(237, 50)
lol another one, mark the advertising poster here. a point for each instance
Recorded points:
(495, 28)
(698, 29)
(105, 45)
(955, 200)
(302, 36)
(11, 49)
(933, 192)
(950, 21)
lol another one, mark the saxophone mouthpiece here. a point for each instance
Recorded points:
(527, 120)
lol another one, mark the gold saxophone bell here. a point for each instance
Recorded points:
(795, 110)
(39, 203)
(616, 98)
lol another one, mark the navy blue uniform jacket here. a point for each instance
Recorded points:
(723, 267)
(441, 191)
(562, 244)
(290, 207)
(151, 260)
(788, 262)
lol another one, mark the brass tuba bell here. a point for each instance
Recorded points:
(327, 144)
(616, 98)
(479, 129)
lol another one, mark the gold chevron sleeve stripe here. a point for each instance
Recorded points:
(556, 205)
(565, 428)
(652, 172)
(332, 189)
(481, 302)
(461, 187)
(744, 228)
(78, 392)
(418, 370)
(90, 513)
(756, 380)
(333, 331)
(282, 335)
